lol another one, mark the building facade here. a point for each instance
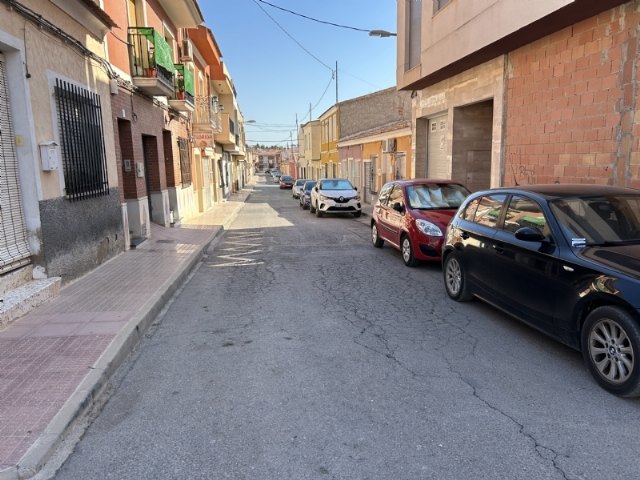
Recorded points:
(537, 95)
(60, 187)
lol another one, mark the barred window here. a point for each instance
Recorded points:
(84, 159)
(185, 164)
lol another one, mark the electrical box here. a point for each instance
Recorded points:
(49, 156)
(139, 169)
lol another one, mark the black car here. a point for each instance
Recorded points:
(563, 258)
(305, 194)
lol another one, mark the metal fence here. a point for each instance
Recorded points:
(185, 162)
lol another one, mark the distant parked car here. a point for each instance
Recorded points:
(297, 187)
(563, 258)
(286, 181)
(335, 195)
(412, 216)
(305, 194)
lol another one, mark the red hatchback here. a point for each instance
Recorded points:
(412, 216)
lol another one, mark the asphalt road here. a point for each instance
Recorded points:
(299, 351)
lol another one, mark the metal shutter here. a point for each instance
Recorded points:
(437, 164)
(14, 250)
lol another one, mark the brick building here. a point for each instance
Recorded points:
(505, 95)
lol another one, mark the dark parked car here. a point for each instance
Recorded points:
(286, 181)
(563, 258)
(412, 216)
(305, 194)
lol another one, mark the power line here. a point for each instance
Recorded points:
(291, 36)
(314, 19)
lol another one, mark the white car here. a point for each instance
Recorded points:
(335, 195)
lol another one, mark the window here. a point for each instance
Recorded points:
(439, 5)
(396, 197)
(384, 193)
(414, 33)
(185, 163)
(524, 212)
(81, 137)
(489, 209)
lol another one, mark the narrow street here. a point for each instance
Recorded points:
(299, 351)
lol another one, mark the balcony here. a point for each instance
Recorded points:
(151, 60)
(183, 93)
(227, 134)
(207, 116)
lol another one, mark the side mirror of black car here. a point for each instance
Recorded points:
(528, 234)
(398, 207)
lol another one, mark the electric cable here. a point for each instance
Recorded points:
(291, 36)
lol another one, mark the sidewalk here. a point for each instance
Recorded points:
(55, 361)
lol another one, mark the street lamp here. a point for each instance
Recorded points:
(381, 33)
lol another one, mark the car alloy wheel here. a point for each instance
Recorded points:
(407, 252)
(454, 279)
(611, 342)
(375, 238)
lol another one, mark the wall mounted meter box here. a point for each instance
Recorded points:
(139, 169)
(50, 156)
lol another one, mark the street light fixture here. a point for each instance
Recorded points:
(381, 33)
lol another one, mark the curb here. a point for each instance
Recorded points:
(87, 394)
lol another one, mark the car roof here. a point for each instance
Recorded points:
(422, 181)
(557, 190)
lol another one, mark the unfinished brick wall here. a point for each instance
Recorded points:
(571, 104)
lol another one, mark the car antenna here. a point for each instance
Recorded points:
(514, 176)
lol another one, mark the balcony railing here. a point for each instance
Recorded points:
(207, 114)
(151, 59)
(184, 89)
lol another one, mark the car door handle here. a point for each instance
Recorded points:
(499, 248)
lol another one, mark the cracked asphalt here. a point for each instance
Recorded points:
(299, 351)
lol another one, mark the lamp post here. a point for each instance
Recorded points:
(381, 33)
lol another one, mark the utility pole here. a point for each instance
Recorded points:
(336, 82)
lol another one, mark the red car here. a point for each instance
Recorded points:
(286, 181)
(412, 216)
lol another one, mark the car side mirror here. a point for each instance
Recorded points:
(398, 207)
(528, 234)
(355, 188)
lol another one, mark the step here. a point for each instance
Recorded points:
(19, 301)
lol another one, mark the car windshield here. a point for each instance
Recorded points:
(286, 178)
(601, 220)
(300, 182)
(308, 186)
(336, 184)
(436, 195)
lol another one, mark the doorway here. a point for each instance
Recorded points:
(472, 140)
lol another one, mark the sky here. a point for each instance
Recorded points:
(282, 69)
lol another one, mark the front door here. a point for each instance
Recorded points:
(14, 249)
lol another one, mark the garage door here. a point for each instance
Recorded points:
(14, 250)
(437, 163)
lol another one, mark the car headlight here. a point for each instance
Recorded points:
(428, 228)
(323, 198)
(357, 197)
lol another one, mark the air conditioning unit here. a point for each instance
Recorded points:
(187, 51)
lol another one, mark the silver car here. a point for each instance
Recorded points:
(297, 187)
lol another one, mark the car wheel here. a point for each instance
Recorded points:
(610, 346)
(455, 282)
(375, 238)
(407, 252)
(357, 214)
(311, 209)
(319, 212)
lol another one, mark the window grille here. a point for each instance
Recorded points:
(185, 164)
(82, 141)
